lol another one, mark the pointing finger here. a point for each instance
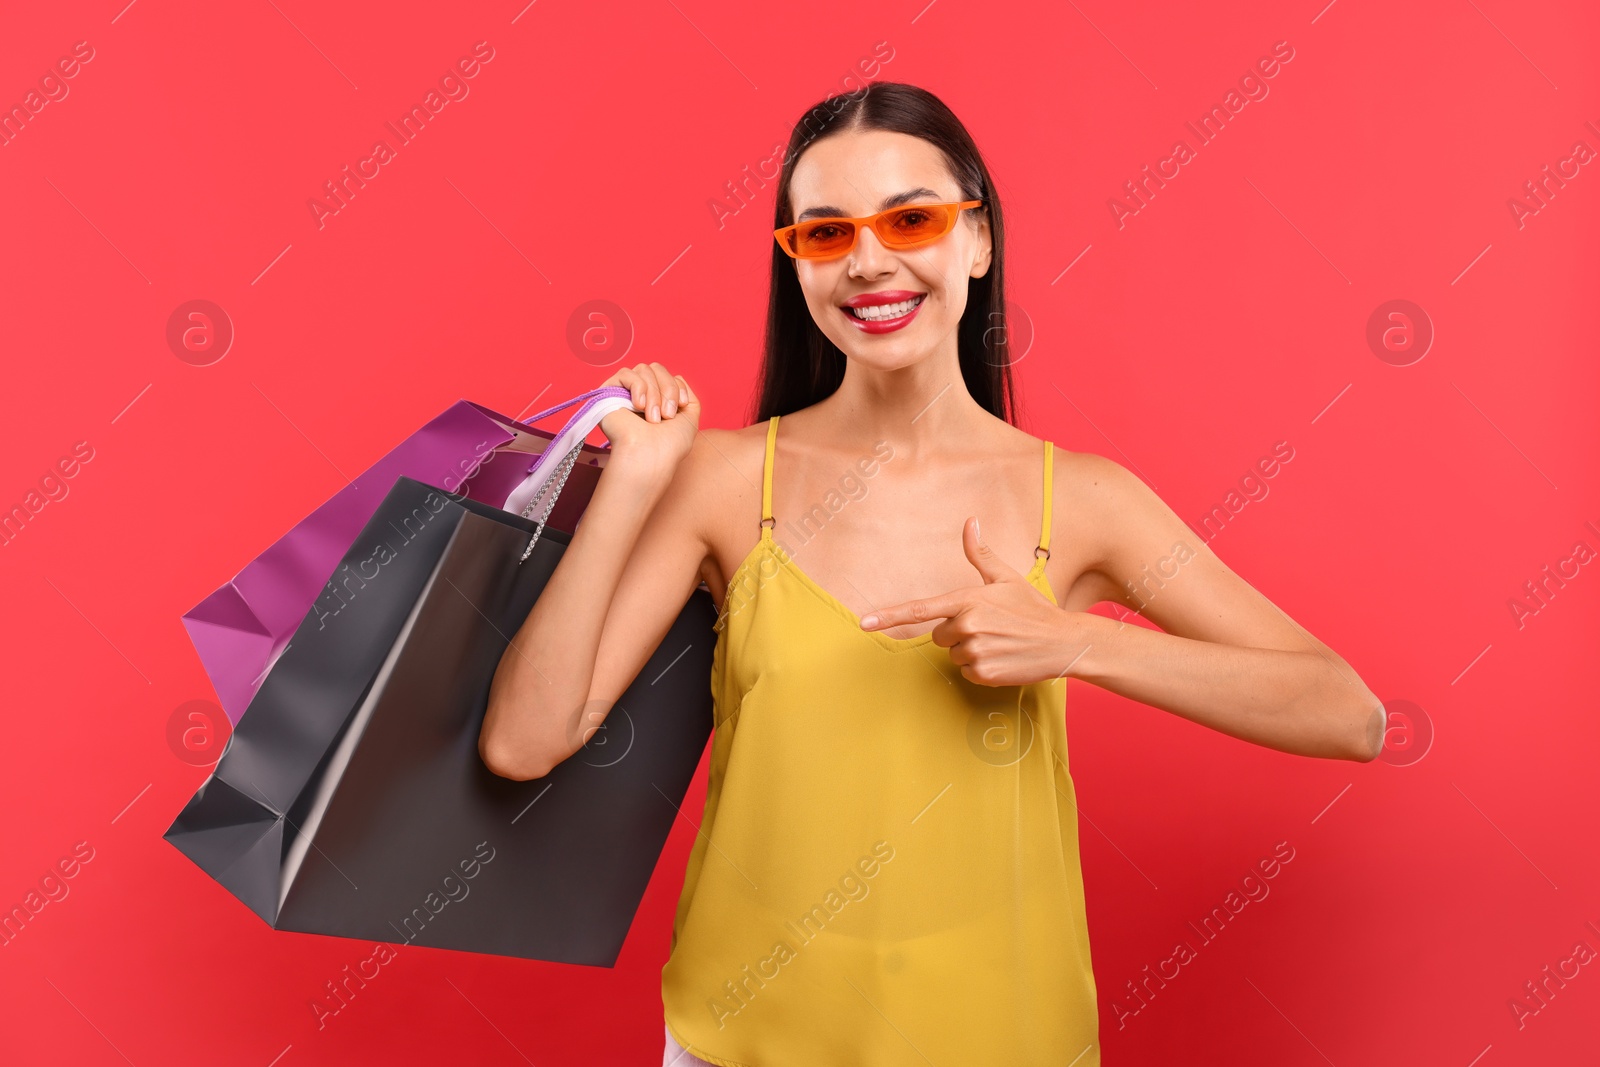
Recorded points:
(937, 607)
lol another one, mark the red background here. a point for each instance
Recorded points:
(1227, 315)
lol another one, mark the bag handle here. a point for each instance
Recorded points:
(591, 395)
(568, 444)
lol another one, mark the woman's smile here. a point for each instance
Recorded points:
(883, 312)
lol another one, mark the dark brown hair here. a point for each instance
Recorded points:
(800, 366)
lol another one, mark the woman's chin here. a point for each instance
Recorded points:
(885, 351)
(888, 357)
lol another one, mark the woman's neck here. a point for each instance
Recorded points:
(924, 406)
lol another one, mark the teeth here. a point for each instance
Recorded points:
(885, 311)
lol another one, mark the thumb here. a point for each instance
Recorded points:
(990, 566)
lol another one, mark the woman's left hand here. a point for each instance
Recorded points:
(1003, 632)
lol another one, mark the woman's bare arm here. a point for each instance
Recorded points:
(1228, 658)
(632, 564)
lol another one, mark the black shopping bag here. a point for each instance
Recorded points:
(351, 799)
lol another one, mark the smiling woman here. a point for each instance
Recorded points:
(901, 675)
(884, 273)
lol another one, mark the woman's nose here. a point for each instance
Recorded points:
(869, 257)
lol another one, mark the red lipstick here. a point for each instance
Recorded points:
(879, 299)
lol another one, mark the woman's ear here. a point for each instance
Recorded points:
(980, 265)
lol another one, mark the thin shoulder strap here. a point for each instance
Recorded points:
(766, 472)
(1044, 530)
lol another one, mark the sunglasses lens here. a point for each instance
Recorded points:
(824, 237)
(916, 224)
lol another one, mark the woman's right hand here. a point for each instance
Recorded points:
(670, 418)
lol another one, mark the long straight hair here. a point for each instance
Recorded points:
(800, 366)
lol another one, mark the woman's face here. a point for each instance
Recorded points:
(859, 173)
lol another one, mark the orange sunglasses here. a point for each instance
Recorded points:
(899, 227)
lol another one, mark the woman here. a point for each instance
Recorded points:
(887, 870)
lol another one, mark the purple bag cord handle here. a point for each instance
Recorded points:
(588, 400)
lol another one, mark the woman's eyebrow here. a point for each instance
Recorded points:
(828, 211)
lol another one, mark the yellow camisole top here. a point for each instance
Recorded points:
(887, 870)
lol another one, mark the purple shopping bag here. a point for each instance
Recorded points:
(241, 628)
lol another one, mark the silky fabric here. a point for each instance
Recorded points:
(886, 871)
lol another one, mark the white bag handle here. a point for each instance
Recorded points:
(550, 472)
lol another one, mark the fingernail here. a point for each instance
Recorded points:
(655, 413)
(977, 531)
(672, 407)
(869, 620)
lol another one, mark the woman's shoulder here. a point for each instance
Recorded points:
(722, 477)
(1071, 473)
(1099, 503)
(1079, 470)
(723, 446)
(1094, 481)
(724, 465)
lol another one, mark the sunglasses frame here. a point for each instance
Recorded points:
(783, 233)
